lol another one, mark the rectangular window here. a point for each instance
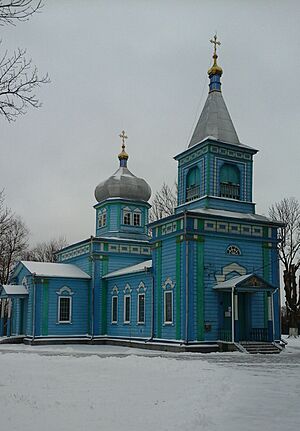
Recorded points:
(64, 309)
(137, 219)
(127, 299)
(168, 307)
(141, 308)
(114, 311)
(104, 219)
(127, 218)
(99, 220)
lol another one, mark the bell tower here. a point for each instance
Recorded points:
(215, 171)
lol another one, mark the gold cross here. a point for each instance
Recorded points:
(215, 42)
(123, 137)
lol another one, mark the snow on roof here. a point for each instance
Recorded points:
(49, 269)
(14, 289)
(231, 214)
(236, 282)
(232, 282)
(142, 266)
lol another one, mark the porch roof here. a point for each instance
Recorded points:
(245, 283)
(12, 290)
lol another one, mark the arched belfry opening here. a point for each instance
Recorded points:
(193, 184)
(230, 181)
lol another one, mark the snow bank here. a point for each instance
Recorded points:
(65, 392)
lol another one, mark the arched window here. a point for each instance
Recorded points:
(193, 184)
(230, 181)
(234, 250)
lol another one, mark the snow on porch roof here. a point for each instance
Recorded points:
(142, 266)
(248, 282)
(49, 269)
(12, 289)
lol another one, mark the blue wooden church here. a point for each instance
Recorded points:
(206, 278)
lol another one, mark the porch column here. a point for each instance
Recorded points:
(8, 328)
(232, 314)
(236, 317)
(2, 317)
(270, 317)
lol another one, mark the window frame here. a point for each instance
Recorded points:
(126, 297)
(114, 297)
(141, 322)
(127, 213)
(102, 218)
(137, 214)
(59, 309)
(168, 322)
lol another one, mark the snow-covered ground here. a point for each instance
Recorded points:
(62, 388)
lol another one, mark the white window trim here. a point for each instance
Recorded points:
(141, 322)
(112, 308)
(127, 212)
(58, 310)
(140, 218)
(166, 292)
(127, 296)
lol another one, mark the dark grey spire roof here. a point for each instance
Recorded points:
(215, 121)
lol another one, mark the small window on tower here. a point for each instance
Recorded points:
(137, 219)
(127, 217)
(104, 218)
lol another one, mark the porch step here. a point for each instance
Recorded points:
(260, 347)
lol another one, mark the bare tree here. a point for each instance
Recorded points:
(13, 242)
(163, 203)
(288, 211)
(18, 78)
(46, 251)
(5, 214)
(12, 11)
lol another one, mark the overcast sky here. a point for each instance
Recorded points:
(142, 66)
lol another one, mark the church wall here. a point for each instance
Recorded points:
(130, 285)
(106, 263)
(79, 324)
(215, 259)
(168, 271)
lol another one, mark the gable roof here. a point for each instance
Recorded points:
(49, 269)
(7, 290)
(248, 282)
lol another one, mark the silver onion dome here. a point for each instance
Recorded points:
(123, 184)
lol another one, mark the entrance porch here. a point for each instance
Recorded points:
(246, 309)
(10, 295)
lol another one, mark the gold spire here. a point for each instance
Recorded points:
(215, 69)
(123, 155)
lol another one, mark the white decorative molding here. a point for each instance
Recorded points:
(65, 289)
(141, 286)
(127, 288)
(232, 267)
(115, 290)
(168, 282)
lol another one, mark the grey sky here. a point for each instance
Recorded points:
(142, 66)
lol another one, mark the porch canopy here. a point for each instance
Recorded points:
(249, 283)
(13, 291)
